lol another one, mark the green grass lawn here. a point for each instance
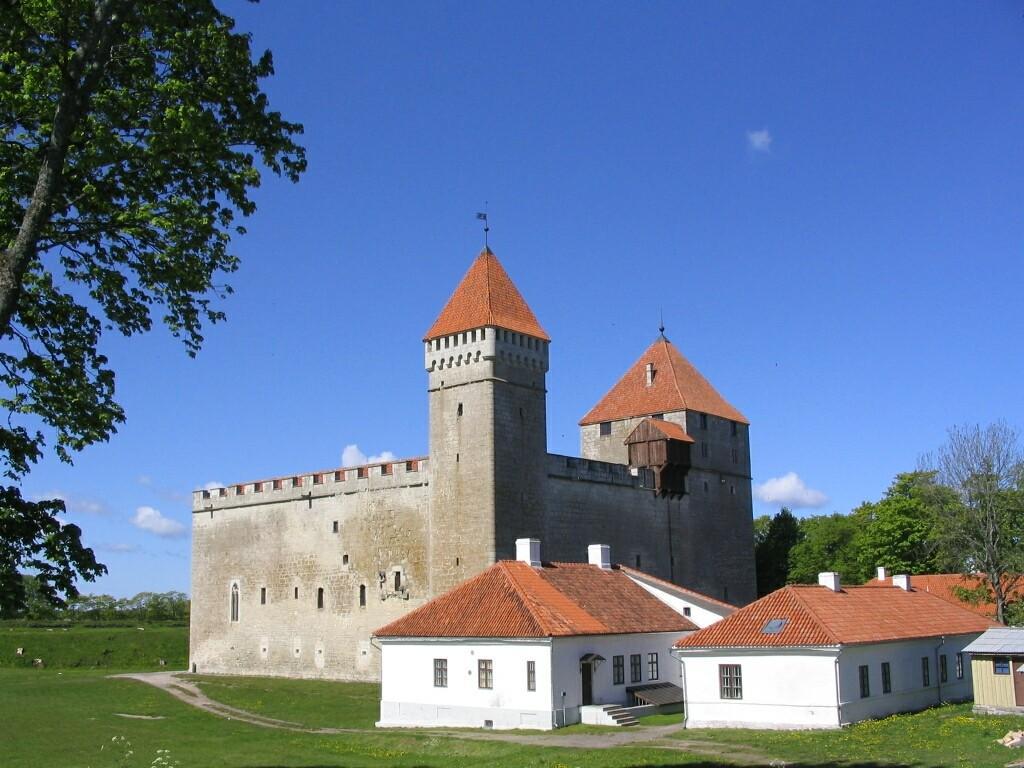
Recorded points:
(73, 716)
(113, 648)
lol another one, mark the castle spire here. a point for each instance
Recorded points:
(486, 296)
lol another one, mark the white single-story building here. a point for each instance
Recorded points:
(825, 656)
(526, 644)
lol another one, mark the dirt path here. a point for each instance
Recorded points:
(656, 737)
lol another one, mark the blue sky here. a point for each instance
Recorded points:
(824, 199)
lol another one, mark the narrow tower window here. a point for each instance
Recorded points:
(320, 597)
(234, 602)
(458, 411)
(398, 581)
(362, 595)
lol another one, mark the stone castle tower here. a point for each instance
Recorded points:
(291, 575)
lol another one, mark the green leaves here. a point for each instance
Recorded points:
(131, 136)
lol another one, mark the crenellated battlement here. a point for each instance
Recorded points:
(593, 471)
(486, 344)
(378, 476)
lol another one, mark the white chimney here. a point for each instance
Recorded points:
(881, 573)
(650, 374)
(528, 551)
(902, 581)
(600, 555)
(829, 579)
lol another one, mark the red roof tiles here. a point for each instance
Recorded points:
(816, 616)
(513, 599)
(677, 386)
(486, 297)
(943, 585)
(668, 428)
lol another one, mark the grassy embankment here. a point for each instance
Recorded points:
(71, 716)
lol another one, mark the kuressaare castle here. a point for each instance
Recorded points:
(291, 575)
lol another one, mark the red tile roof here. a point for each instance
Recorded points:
(667, 428)
(486, 297)
(942, 585)
(816, 616)
(677, 386)
(670, 587)
(513, 599)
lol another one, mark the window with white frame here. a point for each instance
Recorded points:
(440, 673)
(730, 681)
(485, 673)
(531, 675)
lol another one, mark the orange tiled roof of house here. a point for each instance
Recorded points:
(943, 585)
(817, 616)
(677, 386)
(486, 296)
(670, 586)
(513, 599)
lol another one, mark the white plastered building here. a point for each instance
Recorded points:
(826, 656)
(527, 644)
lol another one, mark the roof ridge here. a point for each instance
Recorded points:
(824, 627)
(672, 368)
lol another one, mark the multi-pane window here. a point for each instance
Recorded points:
(634, 668)
(1001, 666)
(531, 676)
(886, 678)
(485, 673)
(926, 672)
(440, 673)
(943, 669)
(730, 681)
(865, 681)
(652, 666)
(618, 670)
(959, 666)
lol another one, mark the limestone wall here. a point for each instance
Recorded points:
(280, 546)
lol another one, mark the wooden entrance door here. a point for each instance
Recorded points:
(1017, 668)
(586, 673)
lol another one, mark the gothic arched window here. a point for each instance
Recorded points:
(234, 602)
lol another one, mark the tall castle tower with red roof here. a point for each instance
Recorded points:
(292, 574)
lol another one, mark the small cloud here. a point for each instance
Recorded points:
(759, 141)
(145, 480)
(212, 485)
(789, 491)
(150, 519)
(353, 457)
(74, 504)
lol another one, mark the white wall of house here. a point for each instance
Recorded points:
(781, 688)
(409, 697)
(796, 687)
(702, 614)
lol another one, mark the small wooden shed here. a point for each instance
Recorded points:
(664, 448)
(997, 666)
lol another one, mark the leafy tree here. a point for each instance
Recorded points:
(983, 523)
(827, 543)
(900, 531)
(772, 551)
(131, 135)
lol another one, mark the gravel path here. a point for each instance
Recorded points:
(657, 737)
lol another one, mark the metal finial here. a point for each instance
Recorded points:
(487, 228)
(661, 321)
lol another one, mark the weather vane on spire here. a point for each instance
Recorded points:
(487, 228)
(661, 321)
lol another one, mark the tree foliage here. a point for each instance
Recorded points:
(131, 136)
(828, 543)
(772, 551)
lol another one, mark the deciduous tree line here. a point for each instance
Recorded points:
(961, 512)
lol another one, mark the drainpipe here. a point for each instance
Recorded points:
(839, 699)
(682, 675)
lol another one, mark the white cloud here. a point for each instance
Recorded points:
(212, 485)
(353, 457)
(789, 491)
(760, 141)
(74, 504)
(150, 519)
(118, 547)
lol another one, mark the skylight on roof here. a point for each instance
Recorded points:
(773, 626)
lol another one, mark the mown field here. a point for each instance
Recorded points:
(78, 647)
(77, 716)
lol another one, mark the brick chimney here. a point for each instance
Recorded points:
(528, 551)
(600, 555)
(829, 579)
